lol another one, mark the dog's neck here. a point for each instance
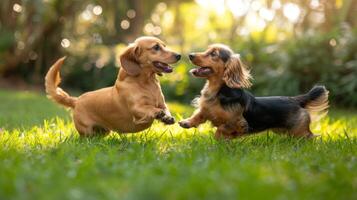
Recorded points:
(146, 75)
(211, 89)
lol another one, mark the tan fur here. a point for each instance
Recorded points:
(230, 124)
(131, 104)
(52, 80)
(128, 60)
(319, 107)
(301, 127)
(236, 75)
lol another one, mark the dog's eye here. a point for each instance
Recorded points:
(213, 54)
(157, 47)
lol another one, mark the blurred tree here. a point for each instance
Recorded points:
(33, 31)
(296, 42)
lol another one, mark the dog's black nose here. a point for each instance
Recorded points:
(191, 56)
(178, 56)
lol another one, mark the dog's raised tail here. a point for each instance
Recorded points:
(52, 80)
(315, 101)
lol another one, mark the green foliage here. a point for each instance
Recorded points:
(287, 56)
(290, 68)
(88, 77)
(311, 60)
(50, 161)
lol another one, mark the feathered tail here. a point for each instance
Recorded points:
(52, 80)
(315, 101)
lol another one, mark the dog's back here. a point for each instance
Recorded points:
(279, 112)
(270, 112)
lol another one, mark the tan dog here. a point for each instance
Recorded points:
(132, 103)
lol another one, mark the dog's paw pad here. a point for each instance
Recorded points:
(184, 124)
(168, 120)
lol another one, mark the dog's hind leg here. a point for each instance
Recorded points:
(242, 126)
(91, 131)
(301, 127)
(230, 130)
(100, 131)
(84, 125)
(224, 131)
(84, 131)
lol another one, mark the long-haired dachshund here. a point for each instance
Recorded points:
(237, 112)
(132, 103)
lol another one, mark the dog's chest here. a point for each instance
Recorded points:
(150, 91)
(215, 113)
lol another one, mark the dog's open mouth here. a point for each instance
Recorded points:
(201, 71)
(163, 67)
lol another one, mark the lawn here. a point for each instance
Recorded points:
(42, 157)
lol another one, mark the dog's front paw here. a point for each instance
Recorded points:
(168, 119)
(160, 114)
(185, 124)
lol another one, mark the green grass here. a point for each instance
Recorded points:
(25, 109)
(47, 160)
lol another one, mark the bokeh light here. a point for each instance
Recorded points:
(97, 10)
(17, 8)
(125, 24)
(65, 43)
(131, 13)
(292, 12)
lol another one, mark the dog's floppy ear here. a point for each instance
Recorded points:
(236, 75)
(128, 60)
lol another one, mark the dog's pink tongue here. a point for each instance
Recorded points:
(204, 70)
(201, 71)
(167, 69)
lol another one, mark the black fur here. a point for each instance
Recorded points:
(224, 54)
(313, 94)
(264, 113)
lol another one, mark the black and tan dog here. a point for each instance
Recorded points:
(237, 112)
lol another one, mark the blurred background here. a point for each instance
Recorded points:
(290, 45)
